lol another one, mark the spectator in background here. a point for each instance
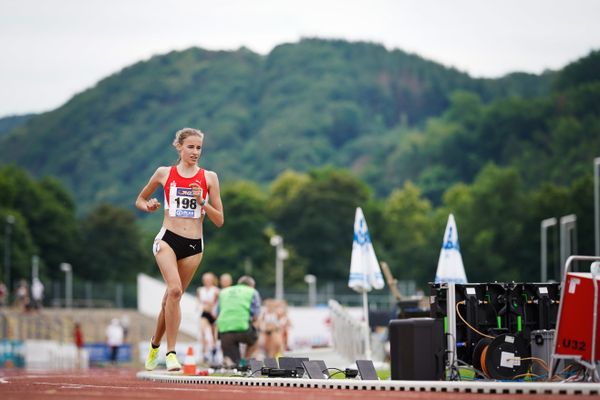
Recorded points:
(271, 335)
(285, 323)
(22, 296)
(226, 280)
(3, 294)
(77, 335)
(37, 293)
(238, 310)
(125, 326)
(208, 294)
(114, 339)
(78, 340)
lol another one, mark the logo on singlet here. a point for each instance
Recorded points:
(184, 213)
(184, 192)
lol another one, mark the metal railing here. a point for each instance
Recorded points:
(348, 334)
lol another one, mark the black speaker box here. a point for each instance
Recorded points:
(417, 349)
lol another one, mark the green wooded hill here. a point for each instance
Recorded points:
(304, 105)
(9, 123)
(300, 138)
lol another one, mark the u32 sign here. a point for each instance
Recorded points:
(573, 344)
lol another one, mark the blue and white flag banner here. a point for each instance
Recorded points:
(365, 273)
(450, 268)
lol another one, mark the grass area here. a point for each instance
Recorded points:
(384, 374)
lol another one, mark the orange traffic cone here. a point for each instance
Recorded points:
(189, 363)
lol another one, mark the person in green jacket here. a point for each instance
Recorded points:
(238, 309)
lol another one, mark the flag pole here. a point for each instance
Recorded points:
(368, 329)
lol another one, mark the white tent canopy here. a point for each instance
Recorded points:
(450, 268)
(365, 273)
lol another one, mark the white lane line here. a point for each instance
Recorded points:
(2, 380)
(77, 385)
(171, 389)
(271, 392)
(82, 386)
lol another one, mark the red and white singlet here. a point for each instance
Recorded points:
(178, 194)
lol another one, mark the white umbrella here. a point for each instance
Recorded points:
(365, 273)
(450, 268)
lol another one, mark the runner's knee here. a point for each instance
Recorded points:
(174, 292)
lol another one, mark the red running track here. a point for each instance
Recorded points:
(119, 383)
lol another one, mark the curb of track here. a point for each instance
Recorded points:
(480, 387)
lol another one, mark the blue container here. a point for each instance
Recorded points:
(100, 353)
(11, 354)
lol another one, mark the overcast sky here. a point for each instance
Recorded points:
(53, 49)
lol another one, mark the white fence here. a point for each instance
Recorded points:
(347, 332)
(51, 355)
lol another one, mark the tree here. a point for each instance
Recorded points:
(241, 245)
(283, 189)
(490, 216)
(48, 216)
(54, 226)
(407, 234)
(582, 71)
(111, 246)
(318, 220)
(22, 247)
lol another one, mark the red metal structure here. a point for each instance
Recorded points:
(577, 326)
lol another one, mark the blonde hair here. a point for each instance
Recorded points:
(183, 134)
(226, 277)
(211, 276)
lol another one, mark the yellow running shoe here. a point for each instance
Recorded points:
(173, 363)
(152, 359)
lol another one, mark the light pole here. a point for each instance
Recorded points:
(66, 268)
(280, 254)
(10, 220)
(597, 203)
(311, 280)
(545, 224)
(568, 224)
(35, 267)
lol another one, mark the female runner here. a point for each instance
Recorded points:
(191, 193)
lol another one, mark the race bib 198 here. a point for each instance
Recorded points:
(182, 203)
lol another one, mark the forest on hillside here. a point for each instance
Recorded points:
(304, 105)
(300, 138)
(498, 221)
